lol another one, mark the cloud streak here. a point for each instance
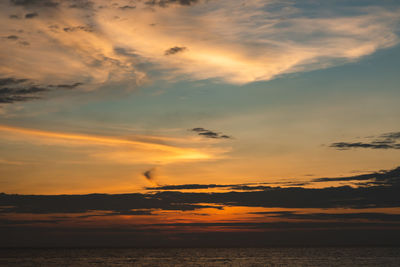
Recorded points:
(174, 50)
(165, 3)
(209, 134)
(21, 90)
(114, 148)
(384, 141)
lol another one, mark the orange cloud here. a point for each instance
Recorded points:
(234, 42)
(122, 149)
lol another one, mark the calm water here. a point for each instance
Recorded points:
(202, 257)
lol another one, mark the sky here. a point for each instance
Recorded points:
(176, 120)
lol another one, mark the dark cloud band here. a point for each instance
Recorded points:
(210, 134)
(20, 90)
(384, 141)
(174, 50)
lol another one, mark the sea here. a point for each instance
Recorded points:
(380, 256)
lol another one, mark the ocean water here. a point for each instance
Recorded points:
(202, 257)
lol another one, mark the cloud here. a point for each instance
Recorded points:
(116, 213)
(150, 176)
(127, 7)
(379, 190)
(64, 34)
(20, 90)
(78, 28)
(43, 3)
(344, 145)
(165, 3)
(244, 43)
(12, 37)
(11, 81)
(238, 43)
(188, 186)
(380, 195)
(384, 141)
(117, 204)
(31, 15)
(174, 50)
(323, 212)
(391, 136)
(68, 86)
(116, 149)
(81, 4)
(385, 178)
(210, 134)
(242, 187)
(8, 95)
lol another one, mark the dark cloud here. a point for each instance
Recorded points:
(150, 175)
(24, 43)
(377, 195)
(127, 7)
(393, 135)
(384, 141)
(382, 178)
(242, 187)
(174, 50)
(165, 3)
(121, 204)
(68, 86)
(210, 134)
(199, 129)
(345, 145)
(250, 188)
(31, 15)
(11, 81)
(20, 90)
(81, 4)
(287, 227)
(11, 95)
(79, 28)
(12, 37)
(4, 221)
(125, 212)
(187, 186)
(37, 3)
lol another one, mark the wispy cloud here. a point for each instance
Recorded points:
(210, 134)
(384, 141)
(118, 149)
(174, 50)
(79, 41)
(20, 90)
(165, 3)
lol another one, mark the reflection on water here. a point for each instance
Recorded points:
(202, 257)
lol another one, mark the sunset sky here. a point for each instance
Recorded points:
(199, 116)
